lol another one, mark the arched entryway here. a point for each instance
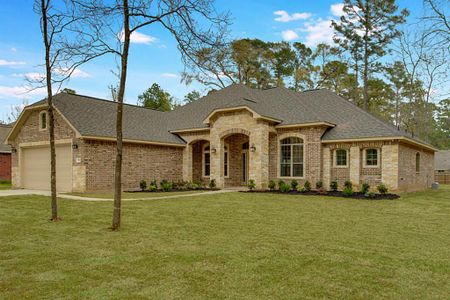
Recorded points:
(236, 159)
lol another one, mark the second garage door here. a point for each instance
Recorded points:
(35, 167)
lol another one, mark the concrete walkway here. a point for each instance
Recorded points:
(4, 193)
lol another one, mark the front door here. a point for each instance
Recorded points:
(244, 166)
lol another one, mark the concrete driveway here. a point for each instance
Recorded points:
(4, 193)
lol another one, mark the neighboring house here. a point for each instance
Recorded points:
(5, 153)
(442, 166)
(231, 136)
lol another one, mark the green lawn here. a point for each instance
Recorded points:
(5, 185)
(228, 246)
(126, 195)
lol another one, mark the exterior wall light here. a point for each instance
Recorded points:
(13, 150)
(213, 150)
(74, 146)
(253, 148)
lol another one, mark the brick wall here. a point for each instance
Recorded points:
(5, 166)
(409, 179)
(140, 161)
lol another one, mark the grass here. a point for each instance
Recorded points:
(5, 185)
(125, 195)
(228, 246)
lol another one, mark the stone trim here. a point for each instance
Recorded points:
(232, 131)
(282, 137)
(335, 165)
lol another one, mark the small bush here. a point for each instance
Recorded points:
(369, 195)
(193, 186)
(166, 186)
(251, 185)
(212, 183)
(154, 182)
(307, 186)
(382, 188)
(347, 192)
(301, 189)
(180, 185)
(294, 184)
(348, 184)
(272, 185)
(319, 184)
(285, 188)
(280, 183)
(365, 188)
(152, 188)
(334, 186)
(143, 185)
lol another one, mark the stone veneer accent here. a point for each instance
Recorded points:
(389, 163)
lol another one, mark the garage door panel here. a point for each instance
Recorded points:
(36, 168)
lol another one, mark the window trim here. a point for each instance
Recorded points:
(335, 165)
(282, 137)
(418, 164)
(203, 160)
(227, 146)
(40, 120)
(365, 165)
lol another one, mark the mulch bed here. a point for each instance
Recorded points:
(173, 190)
(356, 195)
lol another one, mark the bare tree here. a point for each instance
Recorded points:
(437, 16)
(194, 24)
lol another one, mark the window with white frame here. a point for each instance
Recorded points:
(226, 163)
(371, 158)
(206, 161)
(417, 162)
(291, 157)
(43, 120)
(340, 158)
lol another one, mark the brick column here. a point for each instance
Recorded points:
(326, 167)
(259, 159)
(187, 163)
(217, 161)
(389, 166)
(355, 165)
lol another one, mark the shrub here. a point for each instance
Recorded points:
(382, 188)
(294, 184)
(348, 184)
(212, 183)
(365, 188)
(319, 184)
(154, 182)
(280, 183)
(285, 188)
(307, 186)
(166, 186)
(251, 185)
(272, 185)
(192, 186)
(301, 189)
(152, 188)
(369, 195)
(334, 186)
(143, 185)
(347, 192)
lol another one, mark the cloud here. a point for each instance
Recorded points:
(78, 73)
(337, 9)
(289, 35)
(170, 75)
(20, 92)
(30, 76)
(138, 38)
(318, 32)
(11, 63)
(283, 16)
(34, 76)
(13, 49)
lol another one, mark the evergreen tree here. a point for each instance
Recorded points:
(156, 98)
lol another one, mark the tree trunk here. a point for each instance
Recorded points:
(366, 58)
(51, 119)
(119, 119)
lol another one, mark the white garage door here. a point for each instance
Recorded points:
(35, 167)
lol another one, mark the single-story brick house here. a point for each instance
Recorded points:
(5, 153)
(442, 166)
(231, 135)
